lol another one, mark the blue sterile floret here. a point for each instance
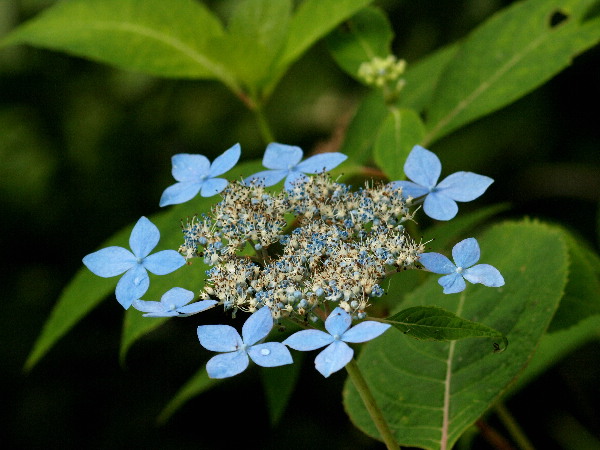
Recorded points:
(424, 168)
(113, 261)
(239, 349)
(466, 253)
(195, 173)
(284, 162)
(173, 303)
(338, 353)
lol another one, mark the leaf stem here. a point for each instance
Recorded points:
(367, 397)
(263, 125)
(515, 431)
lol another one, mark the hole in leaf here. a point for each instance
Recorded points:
(556, 18)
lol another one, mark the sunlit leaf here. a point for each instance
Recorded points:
(165, 38)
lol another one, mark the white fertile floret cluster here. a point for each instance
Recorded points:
(293, 251)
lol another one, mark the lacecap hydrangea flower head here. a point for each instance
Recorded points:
(314, 253)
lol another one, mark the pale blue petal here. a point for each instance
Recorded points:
(439, 207)
(219, 338)
(484, 274)
(423, 167)
(270, 354)
(333, 358)
(225, 162)
(162, 314)
(188, 167)
(294, 178)
(338, 322)
(195, 308)
(144, 237)
(464, 186)
(268, 177)
(179, 193)
(227, 364)
(164, 262)
(307, 340)
(466, 253)
(437, 263)
(148, 307)
(176, 297)
(410, 189)
(110, 261)
(132, 285)
(452, 283)
(365, 331)
(213, 186)
(322, 162)
(281, 156)
(257, 326)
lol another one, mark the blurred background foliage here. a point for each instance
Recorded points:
(85, 150)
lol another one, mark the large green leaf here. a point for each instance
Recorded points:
(431, 392)
(166, 38)
(400, 132)
(255, 36)
(363, 128)
(312, 20)
(364, 36)
(86, 290)
(511, 54)
(582, 293)
(423, 76)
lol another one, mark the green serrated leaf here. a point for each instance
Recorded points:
(431, 323)
(86, 290)
(364, 36)
(363, 128)
(508, 56)
(446, 234)
(582, 293)
(196, 385)
(168, 39)
(400, 132)
(431, 392)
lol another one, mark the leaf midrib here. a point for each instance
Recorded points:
(447, 381)
(217, 69)
(483, 87)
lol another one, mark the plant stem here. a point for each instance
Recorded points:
(513, 427)
(263, 125)
(367, 397)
